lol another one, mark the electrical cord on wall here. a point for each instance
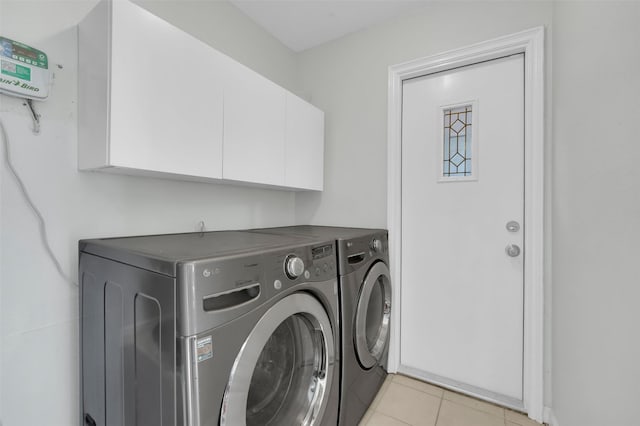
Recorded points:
(41, 223)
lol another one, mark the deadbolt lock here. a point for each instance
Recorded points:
(513, 226)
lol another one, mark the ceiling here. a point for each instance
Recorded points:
(302, 24)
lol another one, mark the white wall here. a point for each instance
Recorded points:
(38, 310)
(596, 221)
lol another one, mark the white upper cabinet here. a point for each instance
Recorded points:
(151, 96)
(155, 101)
(304, 145)
(254, 129)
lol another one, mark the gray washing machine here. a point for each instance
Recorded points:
(202, 329)
(365, 310)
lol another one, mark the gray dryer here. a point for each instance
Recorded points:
(365, 310)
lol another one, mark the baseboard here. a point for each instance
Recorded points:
(549, 417)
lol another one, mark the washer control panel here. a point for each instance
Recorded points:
(309, 263)
(293, 266)
(358, 252)
(376, 245)
(324, 260)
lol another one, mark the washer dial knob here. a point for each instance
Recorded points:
(376, 245)
(293, 266)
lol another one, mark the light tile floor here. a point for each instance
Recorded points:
(404, 401)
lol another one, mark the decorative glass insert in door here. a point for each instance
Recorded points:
(457, 141)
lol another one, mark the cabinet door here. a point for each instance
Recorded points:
(166, 97)
(304, 145)
(254, 127)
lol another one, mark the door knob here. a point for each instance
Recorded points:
(512, 250)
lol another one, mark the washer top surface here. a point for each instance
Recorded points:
(323, 232)
(161, 253)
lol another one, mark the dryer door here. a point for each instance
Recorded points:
(373, 313)
(283, 373)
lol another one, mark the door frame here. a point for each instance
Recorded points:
(531, 43)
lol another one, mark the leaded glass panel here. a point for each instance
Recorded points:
(457, 142)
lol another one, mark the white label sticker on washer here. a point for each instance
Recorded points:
(204, 348)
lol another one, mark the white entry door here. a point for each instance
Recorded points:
(462, 228)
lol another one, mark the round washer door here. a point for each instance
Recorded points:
(373, 314)
(282, 375)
